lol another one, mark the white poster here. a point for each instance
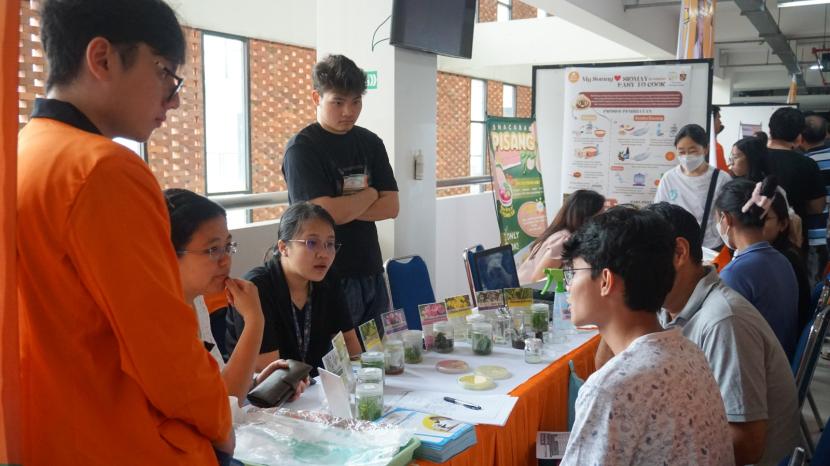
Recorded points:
(619, 128)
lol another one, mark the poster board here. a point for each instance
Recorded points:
(622, 153)
(740, 118)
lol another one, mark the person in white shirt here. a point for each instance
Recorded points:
(687, 184)
(657, 401)
(199, 232)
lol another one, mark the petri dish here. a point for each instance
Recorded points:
(452, 366)
(476, 382)
(493, 372)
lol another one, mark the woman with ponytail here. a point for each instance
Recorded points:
(303, 307)
(758, 271)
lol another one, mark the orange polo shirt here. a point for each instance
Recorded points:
(112, 370)
(720, 158)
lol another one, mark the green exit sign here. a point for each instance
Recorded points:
(371, 80)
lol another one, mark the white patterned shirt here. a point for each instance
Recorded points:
(655, 403)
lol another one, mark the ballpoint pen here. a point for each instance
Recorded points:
(461, 403)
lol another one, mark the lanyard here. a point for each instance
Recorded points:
(305, 338)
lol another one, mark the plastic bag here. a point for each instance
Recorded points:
(284, 437)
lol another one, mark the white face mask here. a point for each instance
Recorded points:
(724, 234)
(691, 162)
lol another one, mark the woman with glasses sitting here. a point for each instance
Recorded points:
(199, 231)
(303, 308)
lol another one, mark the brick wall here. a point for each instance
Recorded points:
(523, 10)
(453, 133)
(453, 145)
(32, 68)
(175, 151)
(280, 77)
(487, 11)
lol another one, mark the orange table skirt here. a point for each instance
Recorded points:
(542, 405)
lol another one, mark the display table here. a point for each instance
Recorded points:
(542, 390)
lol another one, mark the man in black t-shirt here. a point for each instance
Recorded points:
(797, 174)
(345, 169)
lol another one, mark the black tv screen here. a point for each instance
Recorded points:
(444, 27)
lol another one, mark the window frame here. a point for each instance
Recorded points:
(483, 123)
(247, 103)
(506, 4)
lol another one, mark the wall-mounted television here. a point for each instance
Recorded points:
(443, 27)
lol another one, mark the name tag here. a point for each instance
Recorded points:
(354, 183)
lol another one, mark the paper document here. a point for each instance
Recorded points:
(495, 409)
(336, 394)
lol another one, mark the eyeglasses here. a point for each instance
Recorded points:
(733, 158)
(571, 271)
(179, 81)
(316, 245)
(217, 252)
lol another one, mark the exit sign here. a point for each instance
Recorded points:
(371, 80)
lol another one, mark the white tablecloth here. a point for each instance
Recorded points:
(423, 376)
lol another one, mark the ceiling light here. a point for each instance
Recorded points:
(815, 67)
(788, 3)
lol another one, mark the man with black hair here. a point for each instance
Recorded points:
(798, 175)
(112, 369)
(656, 402)
(345, 169)
(746, 358)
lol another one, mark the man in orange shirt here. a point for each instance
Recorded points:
(112, 370)
(719, 157)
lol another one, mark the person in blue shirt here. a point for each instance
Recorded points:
(758, 271)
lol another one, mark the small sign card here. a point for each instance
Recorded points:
(339, 344)
(371, 337)
(518, 297)
(491, 299)
(432, 313)
(459, 306)
(393, 322)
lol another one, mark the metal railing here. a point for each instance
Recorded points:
(250, 201)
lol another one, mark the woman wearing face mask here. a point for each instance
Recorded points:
(688, 184)
(758, 271)
(199, 231)
(303, 308)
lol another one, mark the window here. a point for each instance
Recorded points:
(504, 10)
(540, 13)
(478, 115)
(135, 146)
(508, 105)
(227, 158)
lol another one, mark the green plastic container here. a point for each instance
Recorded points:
(404, 457)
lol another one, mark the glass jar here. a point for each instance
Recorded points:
(368, 401)
(373, 359)
(518, 329)
(533, 350)
(501, 325)
(413, 346)
(369, 375)
(460, 328)
(443, 333)
(540, 318)
(393, 349)
(481, 338)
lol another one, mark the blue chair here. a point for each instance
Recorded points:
(821, 456)
(472, 272)
(409, 286)
(806, 357)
